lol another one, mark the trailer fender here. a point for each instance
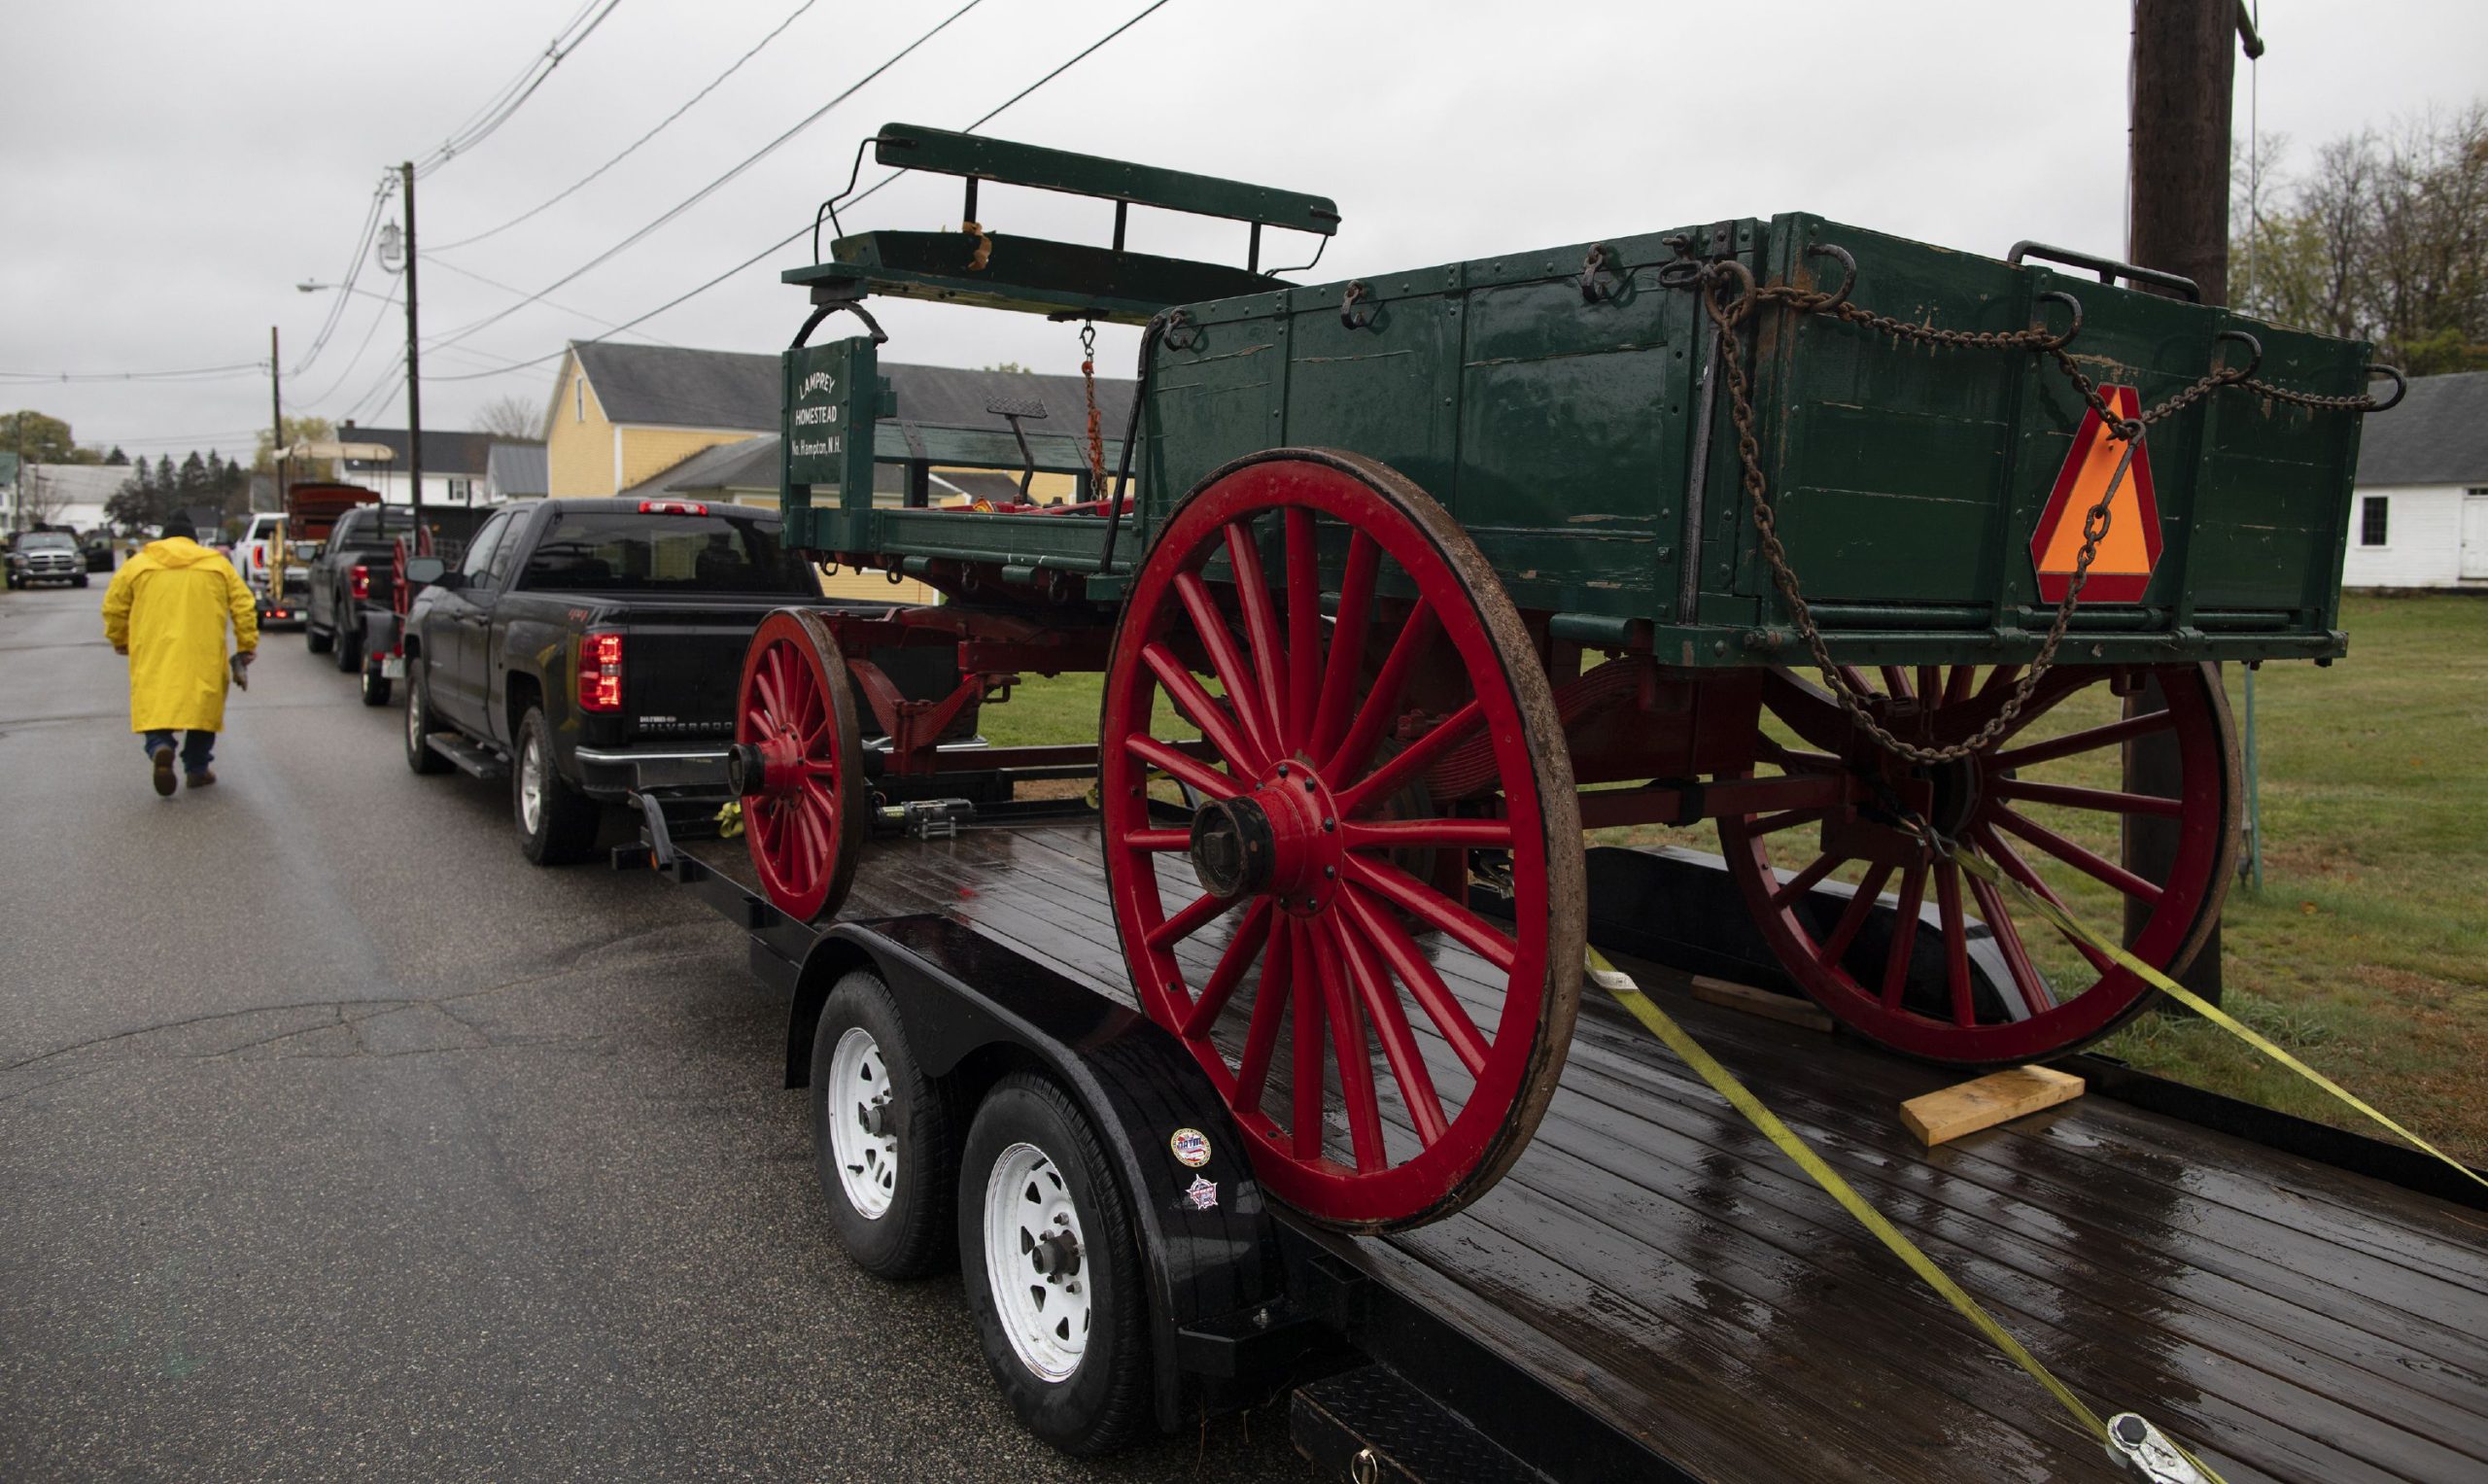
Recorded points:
(974, 1008)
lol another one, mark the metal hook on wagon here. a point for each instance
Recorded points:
(1358, 294)
(1848, 266)
(2400, 386)
(2256, 346)
(1601, 281)
(2072, 303)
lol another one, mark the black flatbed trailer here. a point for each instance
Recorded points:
(1654, 1291)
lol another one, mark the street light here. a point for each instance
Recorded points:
(307, 286)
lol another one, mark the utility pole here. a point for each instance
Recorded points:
(414, 375)
(2177, 165)
(276, 421)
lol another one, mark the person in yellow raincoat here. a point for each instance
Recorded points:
(166, 609)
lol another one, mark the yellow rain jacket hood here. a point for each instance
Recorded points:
(167, 607)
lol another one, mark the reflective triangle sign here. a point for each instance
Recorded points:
(2122, 569)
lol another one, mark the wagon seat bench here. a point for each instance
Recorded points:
(1402, 583)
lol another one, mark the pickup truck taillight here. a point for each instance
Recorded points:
(600, 670)
(672, 507)
(361, 577)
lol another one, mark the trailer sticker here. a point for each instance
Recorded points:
(1190, 1146)
(1202, 1192)
(2122, 569)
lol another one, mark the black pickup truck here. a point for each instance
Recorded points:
(591, 650)
(350, 580)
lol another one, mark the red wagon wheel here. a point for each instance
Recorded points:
(1421, 732)
(803, 806)
(2045, 803)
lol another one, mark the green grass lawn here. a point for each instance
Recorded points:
(2366, 953)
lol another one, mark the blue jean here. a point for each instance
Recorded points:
(198, 748)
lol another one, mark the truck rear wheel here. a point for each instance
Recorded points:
(556, 824)
(419, 757)
(349, 648)
(1051, 1268)
(315, 638)
(882, 1136)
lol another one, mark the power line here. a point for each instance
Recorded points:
(498, 113)
(505, 288)
(709, 189)
(571, 190)
(680, 299)
(354, 271)
(387, 302)
(194, 374)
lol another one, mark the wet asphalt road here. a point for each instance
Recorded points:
(335, 1140)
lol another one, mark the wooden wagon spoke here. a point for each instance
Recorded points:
(1861, 906)
(1796, 887)
(1807, 709)
(1930, 684)
(1303, 626)
(1192, 919)
(1423, 902)
(1204, 711)
(2036, 996)
(2088, 740)
(1268, 659)
(2090, 864)
(1382, 701)
(1897, 962)
(1346, 662)
(1413, 834)
(1240, 952)
(2009, 862)
(1348, 1045)
(2000, 681)
(1159, 840)
(1896, 683)
(1390, 1027)
(1957, 943)
(1408, 965)
(1959, 686)
(1786, 819)
(1376, 789)
(1791, 760)
(1234, 675)
(1269, 1005)
(2106, 800)
(1182, 766)
(1306, 1016)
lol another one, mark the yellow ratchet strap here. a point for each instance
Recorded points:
(1986, 871)
(1616, 982)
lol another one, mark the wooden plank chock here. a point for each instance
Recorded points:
(1965, 1108)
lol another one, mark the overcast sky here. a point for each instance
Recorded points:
(171, 171)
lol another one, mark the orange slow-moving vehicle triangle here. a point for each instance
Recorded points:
(2122, 569)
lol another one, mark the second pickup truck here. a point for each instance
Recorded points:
(591, 650)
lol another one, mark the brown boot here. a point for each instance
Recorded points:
(163, 758)
(198, 779)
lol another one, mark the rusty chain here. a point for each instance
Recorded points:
(1096, 430)
(1729, 295)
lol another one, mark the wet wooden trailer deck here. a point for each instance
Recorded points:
(1657, 1261)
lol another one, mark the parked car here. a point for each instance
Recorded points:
(46, 555)
(591, 648)
(250, 548)
(99, 552)
(349, 581)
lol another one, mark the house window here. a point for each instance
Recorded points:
(578, 399)
(2372, 520)
(463, 491)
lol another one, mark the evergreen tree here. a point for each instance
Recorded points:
(116, 458)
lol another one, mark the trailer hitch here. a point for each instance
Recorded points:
(2146, 1454)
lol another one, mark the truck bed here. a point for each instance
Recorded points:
(1657, 1262)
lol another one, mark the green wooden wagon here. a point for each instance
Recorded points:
(1865, 551)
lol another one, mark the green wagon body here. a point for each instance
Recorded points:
(1427, 574)
(1577, 442)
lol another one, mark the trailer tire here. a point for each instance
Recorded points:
(1032, 1163)
(884, 1136)
(556, 824)
(376, 687)
(419, 757)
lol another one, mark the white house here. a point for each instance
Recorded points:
(2420, 516)
(457, 465)
(67, 493)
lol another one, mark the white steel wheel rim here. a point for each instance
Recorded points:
(1036, 1262)
(530, 785)
(857, 1098)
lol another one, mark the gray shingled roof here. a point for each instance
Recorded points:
(445, 451)
(2438, 436)
(667, 386)
(519, 468)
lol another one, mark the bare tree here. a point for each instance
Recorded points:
(40, 496)
(511, 416)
